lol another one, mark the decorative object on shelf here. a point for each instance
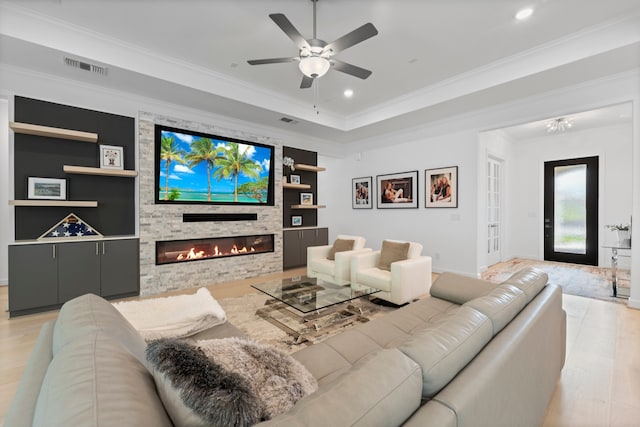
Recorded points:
(295, 179)
(70, 227)
(441, 187)
(623, 232)
(47, 188)
(111, 157)
(397, 190)
(306, 198)
(288, 162)
(296, 220)
(362, 193)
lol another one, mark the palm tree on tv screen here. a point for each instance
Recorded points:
(170, 152)
(234, 163)
(204, 151)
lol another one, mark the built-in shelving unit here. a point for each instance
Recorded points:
(296, 186)
(84, 170)
(51, 132)
(56, 203)
(310, 168)
(308, 206)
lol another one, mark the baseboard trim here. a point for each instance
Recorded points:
(634, 303)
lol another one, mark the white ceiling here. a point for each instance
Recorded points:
(431, 59)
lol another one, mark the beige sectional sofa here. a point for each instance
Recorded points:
(473, 354)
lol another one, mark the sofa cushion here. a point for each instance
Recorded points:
(323, 266)
(376, 278)
(229, 381)
(391, 252)
(459, 289)
(500, 306)
(340, 245)
(89, 313)
(94, 381)
(529, 280)
(382, 389)
(443, 350)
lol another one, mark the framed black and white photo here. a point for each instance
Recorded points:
(306, 198)
(296, 220)
(47, 188)
(362, 193)
(111, 157)
(397, 190)
(441, 187)
(295, 179)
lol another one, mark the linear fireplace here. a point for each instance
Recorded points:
(173, 251)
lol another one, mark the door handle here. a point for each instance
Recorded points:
(548, 226)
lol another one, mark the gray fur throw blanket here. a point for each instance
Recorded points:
(226, 382)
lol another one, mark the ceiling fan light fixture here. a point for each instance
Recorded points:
(314, 66)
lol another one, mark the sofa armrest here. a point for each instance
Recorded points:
(315, 252)
(413, 277)
(24, 402)
(459, 289)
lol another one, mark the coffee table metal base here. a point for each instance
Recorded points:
(310, 327)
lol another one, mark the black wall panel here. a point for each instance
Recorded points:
(44, 157)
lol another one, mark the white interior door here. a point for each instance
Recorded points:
(494, 210)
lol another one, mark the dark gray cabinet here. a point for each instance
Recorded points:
(120, 267)
(296, 242)
(44, 276)
(78, 270)
(33, 277)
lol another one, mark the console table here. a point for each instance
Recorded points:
(614, 265)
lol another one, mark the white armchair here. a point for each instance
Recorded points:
(336, 270)
(408, 277)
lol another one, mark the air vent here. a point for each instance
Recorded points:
(288, 120)
(86, 66)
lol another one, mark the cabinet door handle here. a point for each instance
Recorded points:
(53, 251)
(103, 247)
(97, 248)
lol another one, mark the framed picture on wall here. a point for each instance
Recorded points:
(441, 187)
(295, 179)
(397, 190)
(46, 188)
(361, 193)
(306, 198)
(111, 157)
(296, 220)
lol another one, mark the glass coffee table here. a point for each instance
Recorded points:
(308, 308)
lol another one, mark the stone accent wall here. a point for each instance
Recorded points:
(164, 222)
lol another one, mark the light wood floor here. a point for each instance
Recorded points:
(600, 383)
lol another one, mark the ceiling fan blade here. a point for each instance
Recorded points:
(288, 28)
(272, 60)
(350, 69)
(306, 82)
(354, 37)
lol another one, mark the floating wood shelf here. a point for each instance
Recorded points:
(296, 186)
(307, 206)
(60, 203)
(311, 168)
(50, 132)
(84, 170)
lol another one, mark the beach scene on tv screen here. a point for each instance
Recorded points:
(194, 168)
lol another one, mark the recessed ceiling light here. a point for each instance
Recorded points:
(348, 93)
(524, 13)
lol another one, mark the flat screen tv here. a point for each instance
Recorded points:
(194, 168)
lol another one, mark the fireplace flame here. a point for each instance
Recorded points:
(192, 254)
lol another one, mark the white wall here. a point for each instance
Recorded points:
(611, 144)
(447, 235)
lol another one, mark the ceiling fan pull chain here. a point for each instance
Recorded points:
(316, 95)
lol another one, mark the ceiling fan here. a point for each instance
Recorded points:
(315, 56)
